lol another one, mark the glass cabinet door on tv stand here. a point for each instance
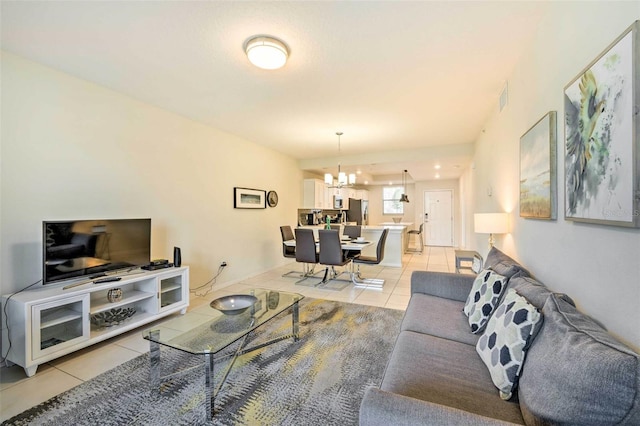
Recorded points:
(59, 324)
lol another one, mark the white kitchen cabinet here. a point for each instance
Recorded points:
(49, 322)
(314, 194)
(362, 194)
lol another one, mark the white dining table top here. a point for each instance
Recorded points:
(346, 244)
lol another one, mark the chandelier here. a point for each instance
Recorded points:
(343, 180)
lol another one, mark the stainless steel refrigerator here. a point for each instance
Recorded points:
(358, 211)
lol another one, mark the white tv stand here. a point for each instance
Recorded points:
(49, 322)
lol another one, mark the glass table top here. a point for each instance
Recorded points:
(208, 330)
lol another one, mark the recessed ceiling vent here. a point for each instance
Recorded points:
(504, 97)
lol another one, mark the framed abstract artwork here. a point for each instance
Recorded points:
(601, 137)
(538, 186)
(247, 198)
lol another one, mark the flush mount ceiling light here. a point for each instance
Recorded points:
(266, 52)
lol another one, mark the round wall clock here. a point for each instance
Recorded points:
(272, 198)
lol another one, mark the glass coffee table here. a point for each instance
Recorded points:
(210, 329)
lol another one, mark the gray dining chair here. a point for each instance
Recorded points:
(306, 252)
(353, 231)
(332, 255)
(288, 251)
(369, 260)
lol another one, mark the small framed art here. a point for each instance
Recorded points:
(247, 198)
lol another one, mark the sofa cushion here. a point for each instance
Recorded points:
(577, 373)
(439, 317)
(503, 264)
(534, 291)
(445, 372)
(483, 298)
(505, 341)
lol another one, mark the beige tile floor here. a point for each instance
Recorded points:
(18, 392)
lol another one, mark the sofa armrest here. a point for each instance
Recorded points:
(385, 408)
(442, 284)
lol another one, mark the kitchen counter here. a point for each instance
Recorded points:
(407, 224)
(395, 246)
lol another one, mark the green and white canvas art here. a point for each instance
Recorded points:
(600, 127)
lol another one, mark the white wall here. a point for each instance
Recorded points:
(74, 150)
(599, 266)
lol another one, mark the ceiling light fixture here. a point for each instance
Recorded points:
(404, 198)
(342, 180)
(266, 52)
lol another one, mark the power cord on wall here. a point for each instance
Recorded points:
(211, 282)
(6, 318)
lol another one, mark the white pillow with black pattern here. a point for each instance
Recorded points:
(483, 298)
(505, 341)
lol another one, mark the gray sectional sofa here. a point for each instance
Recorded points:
(574, 371)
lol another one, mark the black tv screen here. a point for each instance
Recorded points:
(93, 248)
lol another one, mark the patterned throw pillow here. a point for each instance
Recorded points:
(483, 298)
(506, 339)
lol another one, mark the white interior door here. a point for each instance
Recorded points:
(438, 218)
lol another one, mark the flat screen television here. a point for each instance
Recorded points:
(77, 249)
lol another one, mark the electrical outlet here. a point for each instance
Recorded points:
(223, 264)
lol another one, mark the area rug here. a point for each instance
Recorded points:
(319, 380)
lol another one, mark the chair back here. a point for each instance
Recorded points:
(420, 229)
(353, 231)
(381, 243)
(287, 234)
(305, 246)
(330, 248)
(334, 227)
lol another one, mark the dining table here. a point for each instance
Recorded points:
(349, 244)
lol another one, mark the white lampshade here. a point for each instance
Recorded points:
(328, 178)
(342, 178)
(352, 178)
(491, 223)
(267, 53)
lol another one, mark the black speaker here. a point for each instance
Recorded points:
(177, 257)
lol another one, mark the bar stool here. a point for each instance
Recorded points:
(418, 235)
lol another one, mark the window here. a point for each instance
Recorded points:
(391, 200)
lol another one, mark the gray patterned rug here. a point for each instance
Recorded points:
(319, 380)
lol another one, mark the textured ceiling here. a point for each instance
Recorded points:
(393, 76)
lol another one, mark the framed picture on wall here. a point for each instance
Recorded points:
(601, 137)
(247, 198)
(538, 186)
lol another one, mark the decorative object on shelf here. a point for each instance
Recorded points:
(538, 169)
(272, 198)
(266, 52)
(234, 304)
(491, 223)
(404, 198)
(601, 130)
(247, 198)
(114, 295)
(342, 181)
(112, 317)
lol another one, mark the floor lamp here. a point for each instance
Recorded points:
(491, 223)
